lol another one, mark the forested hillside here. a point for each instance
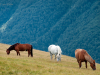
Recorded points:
(71, 24)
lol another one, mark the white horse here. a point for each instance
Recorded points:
(55, 50)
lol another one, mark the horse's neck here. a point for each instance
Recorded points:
(88, 58)
(59, 50)
(11, 48)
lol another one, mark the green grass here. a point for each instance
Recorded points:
(40, 64)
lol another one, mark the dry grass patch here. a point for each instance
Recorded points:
(40, 64)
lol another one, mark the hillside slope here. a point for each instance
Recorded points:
(68, 23)
(40, 64)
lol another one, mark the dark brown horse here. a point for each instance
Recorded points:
(21, 47)
(82, 56)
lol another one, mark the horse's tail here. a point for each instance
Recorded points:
(49, 48)
(31, 50)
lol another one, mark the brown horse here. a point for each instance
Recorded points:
(82, 56)
(21, 47)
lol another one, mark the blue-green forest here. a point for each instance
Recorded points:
(71, 24)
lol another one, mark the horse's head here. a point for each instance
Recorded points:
(8, 51)
(58, 57)
(93, 66)
(59, 53)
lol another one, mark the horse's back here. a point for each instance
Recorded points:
(27, 46)
(79, 53)
(49, 48)
(53, 49)
(23, 46)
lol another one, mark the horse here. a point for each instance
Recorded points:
(82, 56)
(20, 47)
(55, 50)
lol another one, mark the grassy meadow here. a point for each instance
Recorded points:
(40, 64)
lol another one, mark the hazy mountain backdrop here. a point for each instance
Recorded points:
(71, 24)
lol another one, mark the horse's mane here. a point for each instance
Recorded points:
(88, 57)
(13, 46)
(59, 49)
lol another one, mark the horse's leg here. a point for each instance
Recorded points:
(51, 55)
(86, 63)
(59, 59)
(77, 61)
(80, 64)
(28, 53)
(19, 53)
(55, 56)
(31, 53)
